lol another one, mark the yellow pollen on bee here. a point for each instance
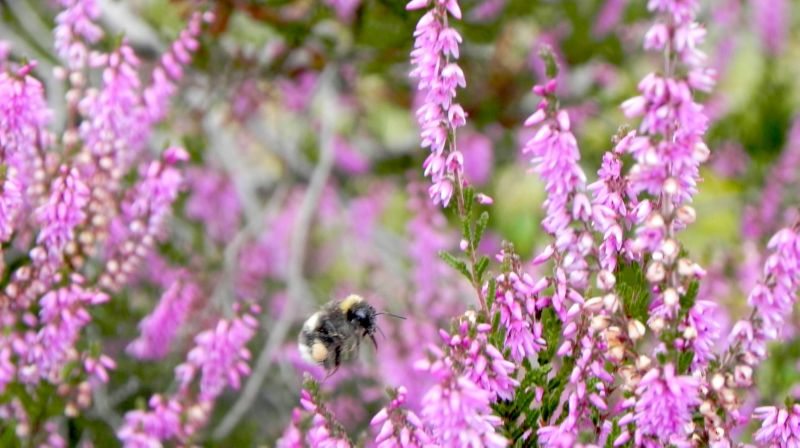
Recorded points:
(319, 352)
(349, 301)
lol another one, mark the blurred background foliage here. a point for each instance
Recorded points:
(246, 110)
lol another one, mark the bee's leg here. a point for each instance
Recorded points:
(337, 361)
(330, 374)
(374, 342)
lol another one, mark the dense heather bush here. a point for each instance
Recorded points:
(167, 208)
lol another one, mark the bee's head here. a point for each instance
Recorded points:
(363, 315)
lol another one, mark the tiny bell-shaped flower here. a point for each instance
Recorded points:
(636, 330)
(656, 272)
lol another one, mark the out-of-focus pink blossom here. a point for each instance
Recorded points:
(772, 19)
(159, 329)
(214, 201)
(478, 156)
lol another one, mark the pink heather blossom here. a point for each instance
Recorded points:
(458, 413)
(609, 16)
(144, 211)
(763, 218)
(64, 210)
(457, 407)
(555, 157)
(484, 364)
(779, 427)
(682, 11)
(435, 50)
(664, 405)
(159, 329)
(292, 437)
(772, 19)
(478, 153)
(219, 358)
(703, 322)
(23, 117)
(670, 164)
(773, 297)
(324, 431)
(7, 366)
(147, 429)
(297, 91)
(76, 30)
(399, 428)
(114, 126)
(609, 210)
(515, 298)
(345, 9)
(44, 352)
(486, 10)
(214, 201)
(165, 76)
(348, 158)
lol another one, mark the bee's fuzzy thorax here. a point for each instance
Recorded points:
(334, 333)
(349, 301)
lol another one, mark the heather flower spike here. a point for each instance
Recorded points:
(434, 66)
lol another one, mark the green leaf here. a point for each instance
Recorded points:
(550, 405)
(480, 268)
(684, 361)
(549, 59)
(491, 291)
(688, 299)
(615, 432)
(480, 227)
(552, 333)
(456, 264)
(469, 200)
(633, 291)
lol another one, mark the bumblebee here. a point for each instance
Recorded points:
(335, 332)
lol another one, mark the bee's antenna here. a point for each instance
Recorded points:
(381, 332)
(390, 314)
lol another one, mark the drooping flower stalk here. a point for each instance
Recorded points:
(433, 58)
(436, 49)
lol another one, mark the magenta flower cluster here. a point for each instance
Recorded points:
(84, 209)
(434, 60)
